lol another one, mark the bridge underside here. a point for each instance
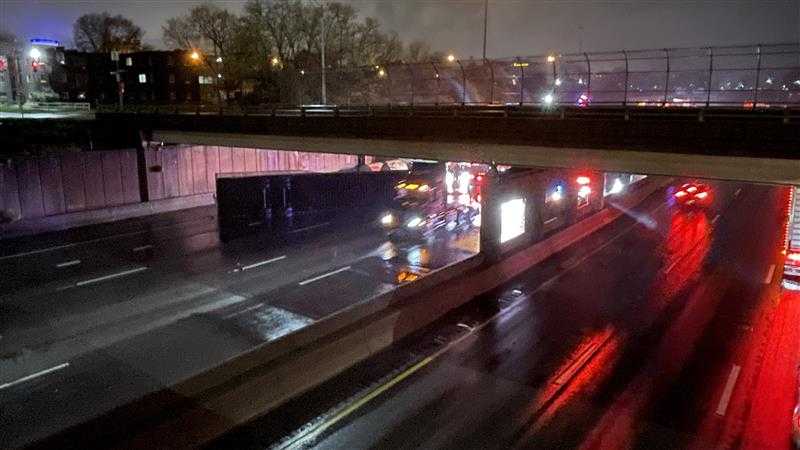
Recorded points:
(751, 169)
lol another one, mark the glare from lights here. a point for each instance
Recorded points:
(451, 57)
(381, 73)
(583, 180)
(616, 187)
(512, 219)
(219, 59)
(449, 179)
(558, 81)
(275, 61)
(195, 56)
(768, 80)
(35, 53)
(701, 195)
(424, 188)
(557, 194)
(302, 72)
(463, 182)
(219, 75)
(584, 191)
(551, 58)
(387, 219)
(548, 99)
(414, 222)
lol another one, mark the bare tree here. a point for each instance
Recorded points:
(102, 32)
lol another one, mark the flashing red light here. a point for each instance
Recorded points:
(680, 194)
(583, 180)
(691, 189)
(701, 195)
(479, 178)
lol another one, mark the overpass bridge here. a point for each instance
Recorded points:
(738, 144)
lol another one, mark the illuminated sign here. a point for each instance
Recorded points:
(512, 219)
(45, 42)
(521, 64)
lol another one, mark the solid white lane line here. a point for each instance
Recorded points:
(109, 277)
(74, 262)
(142, 248)
(770, 272)
(33, 375)
(243, 311)
(36, 252)
(254, 224)
(728, 391)
(715, 219)
(325, 275)
(262, 263)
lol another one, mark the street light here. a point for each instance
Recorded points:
(451, 57)
(551, 58)
(381, 73)
(195, 55)
(35, 53)
(219, 59)
(275, 61)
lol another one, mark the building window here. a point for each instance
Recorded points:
(142, 78)
(128, 61)
(172, 78)
(170, 61)
(172, 95)
(205, 79)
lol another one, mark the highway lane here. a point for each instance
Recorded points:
(81, 343)
(626, 340)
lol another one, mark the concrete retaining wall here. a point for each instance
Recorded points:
(51, 192)
(205, 406)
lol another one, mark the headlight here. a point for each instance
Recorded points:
(414, 222)
(387, 219)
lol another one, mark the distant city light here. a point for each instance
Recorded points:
(35, 53)
(451, 57)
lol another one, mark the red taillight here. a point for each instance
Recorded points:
(582, 180)
(701, 195)
(680, 194)
(691, 189)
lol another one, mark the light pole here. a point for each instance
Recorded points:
(485, 18)
(322, 56)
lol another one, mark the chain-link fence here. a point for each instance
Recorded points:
(757, 75)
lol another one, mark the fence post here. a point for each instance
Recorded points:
(627, 72)
(463, 83)
(438, 82)
(710, 75)
(588, 75)
(521, 79)
(758, 76)
(491, 88)
(411, 80)
(666, 81)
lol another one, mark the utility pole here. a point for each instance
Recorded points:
(485, 18)
(322, 58)
(118, 74)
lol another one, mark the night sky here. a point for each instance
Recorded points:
(516, 27)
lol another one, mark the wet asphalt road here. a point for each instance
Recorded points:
(629, 339)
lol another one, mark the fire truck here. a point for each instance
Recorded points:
(434, 195)
(791, 266)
